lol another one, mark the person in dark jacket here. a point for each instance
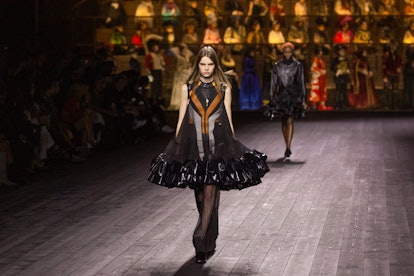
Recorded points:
(287, 93)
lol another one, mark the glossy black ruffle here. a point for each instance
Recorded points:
(284, 111)
(231, 174)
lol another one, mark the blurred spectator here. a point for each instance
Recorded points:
(277, 12)
(116, 15)
(364, 94)
(363, 34)
(392, 66)
(343, 8)
(408, 11)
(365, 7)
(213, 12)
(212, 37)
(256, 11)
(235, 35)
(190, 37)
(77, 115)
(344, 35)
(297, 33)
(320, 36)
(192, 12)
(170, 12)
(234, 8)
(341, 68)
(255, 37)
(181, 73)
(138, 40)
(156, 62)
(269, 61)
(301, 12)
(409, 83)
(408, 41)
(319, 92)
(387, 7)
(276, 37)
(6, 159)
(118, 41)
(229, 67)
(145, 12)
(250, 97)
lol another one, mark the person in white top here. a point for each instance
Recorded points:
(145, 12)
(276, 36)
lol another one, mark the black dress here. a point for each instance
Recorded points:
(287, 90)
(205, 150)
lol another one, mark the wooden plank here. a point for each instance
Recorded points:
(342, 205)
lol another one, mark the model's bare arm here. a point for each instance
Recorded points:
(227, 105)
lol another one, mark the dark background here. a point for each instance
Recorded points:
(50, 23)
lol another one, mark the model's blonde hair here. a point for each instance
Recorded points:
(218, 75)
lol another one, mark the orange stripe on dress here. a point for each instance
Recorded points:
(206, 113)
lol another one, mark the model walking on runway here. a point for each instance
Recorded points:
(287, 93)
(204, 155)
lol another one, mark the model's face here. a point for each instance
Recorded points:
(288, 52)
(206, 67)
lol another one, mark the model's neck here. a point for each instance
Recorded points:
(206, 80)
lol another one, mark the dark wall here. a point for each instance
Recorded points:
(17, 23)
(48, 23)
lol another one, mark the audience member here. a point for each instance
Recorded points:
(301, 12)
(6, 159)
(234, 8)
(257, 10)
(297, 33)
(156, 62)
(250, 97)
(341, 68)
(320, 36)
(269, 61)
(192, 12)
(213, 12)
(190, 37)
(115, 14)
(364, 94)
(409, 82)
(363, 34)
(392, 66)
(344, 35)
(118, 41)
(212, 37)
(318, 94)
(145, 12)
(229, 66)
(77, 115)
(170, 12)
(277, 12)
(255, 37)
(182, 72)
(235, 35)
(276, 37)
(408, 11)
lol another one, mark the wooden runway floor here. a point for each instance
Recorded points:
(343, 204)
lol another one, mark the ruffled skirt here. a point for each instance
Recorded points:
(231, 166)
(285, 106)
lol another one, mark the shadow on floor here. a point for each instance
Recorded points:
(281, 162)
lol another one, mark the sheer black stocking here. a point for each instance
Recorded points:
(206, 231)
